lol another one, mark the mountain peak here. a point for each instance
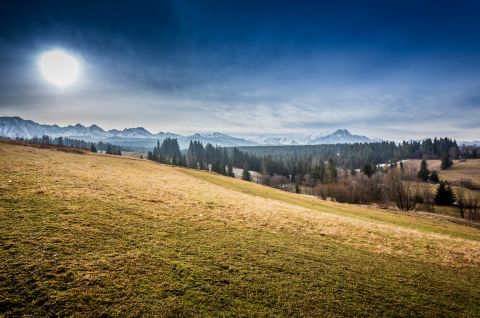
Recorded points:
(340, 136)
(342, 132)
(93, 127)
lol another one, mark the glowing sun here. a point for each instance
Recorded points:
(59, 68)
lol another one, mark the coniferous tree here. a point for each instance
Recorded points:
(367, 170)
(230, 172)
(331, 171)
(168, 152)
(444, 194)
(216, 166)
(446, 162)
(246, 173)
(93, 148)
(223, 171)
(423, 173)
(195, 155)
(434, 177)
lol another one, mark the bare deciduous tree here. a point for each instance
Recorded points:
(404, 193)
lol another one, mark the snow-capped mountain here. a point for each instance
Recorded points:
(276, 141)
(16, 127)
(13, 127)
(470, 143)
(138, 132)
(220, 139)
(341, 136)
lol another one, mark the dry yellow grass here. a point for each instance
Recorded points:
(433, 165)
(461, 170)
(466, 170)
(91, 235)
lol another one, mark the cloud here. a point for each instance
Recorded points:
(243, 72)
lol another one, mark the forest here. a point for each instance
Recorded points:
(296, 162)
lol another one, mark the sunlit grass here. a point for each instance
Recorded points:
(92, 235)
(461, 170)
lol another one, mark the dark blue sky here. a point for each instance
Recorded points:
(391, 69)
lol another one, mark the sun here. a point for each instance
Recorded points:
(59, 68)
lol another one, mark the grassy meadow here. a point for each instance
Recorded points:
(461, 170)
(91, 235)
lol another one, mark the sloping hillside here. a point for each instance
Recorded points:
(93, 235)
(461, 170)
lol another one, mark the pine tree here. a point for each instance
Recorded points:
(446, 162)
(246, 173)
(367, 170)
(216, 166)
(444, 194)
(331, 171)
(434, 177)
(93, 148)
(230, 170)
(223, 171)
(423, 172)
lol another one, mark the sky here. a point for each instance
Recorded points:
(386, 69)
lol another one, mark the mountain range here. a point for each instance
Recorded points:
(16, 127)
(340, 136)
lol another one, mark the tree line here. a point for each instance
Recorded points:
(355, 156)
(108, 148)
(212, 158)
(309, 163)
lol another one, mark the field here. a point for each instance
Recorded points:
(467, 170)
(91, 235)
(461, 170)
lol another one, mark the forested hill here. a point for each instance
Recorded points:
(356, 155)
